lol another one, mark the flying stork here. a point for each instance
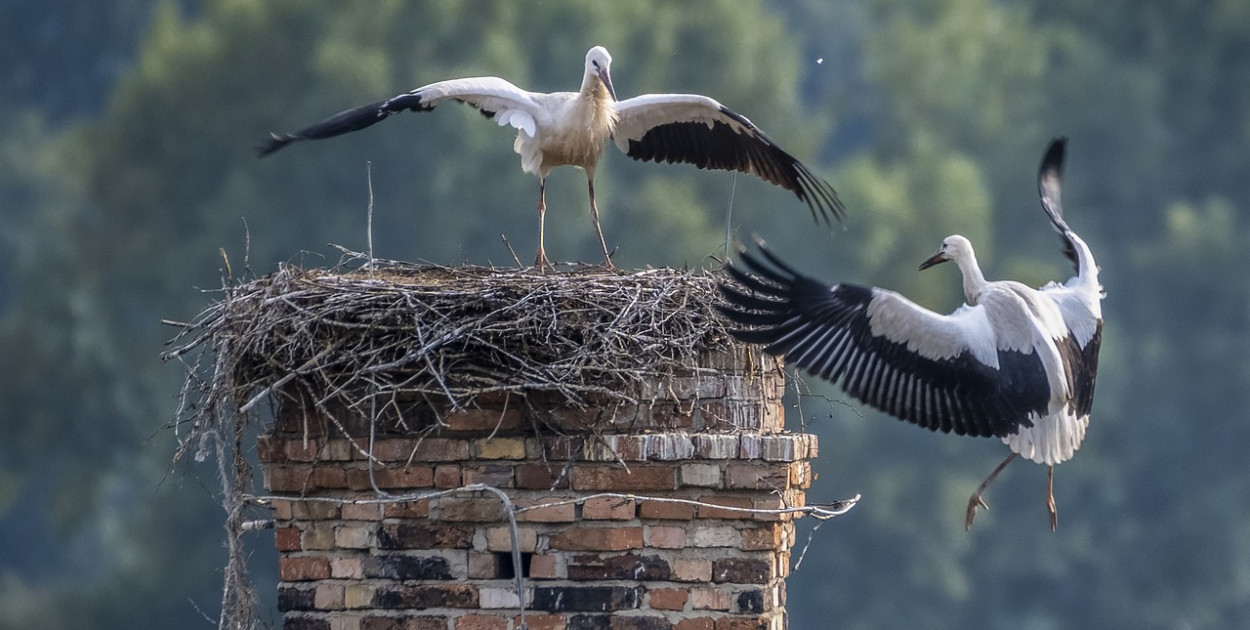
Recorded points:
(571, 128)
(1014, 362)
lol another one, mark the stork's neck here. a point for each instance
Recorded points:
(594, 96)
(974, 280)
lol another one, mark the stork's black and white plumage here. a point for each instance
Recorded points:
(572, 128)
(1014, 362)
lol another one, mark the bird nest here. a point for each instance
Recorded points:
(362, 339)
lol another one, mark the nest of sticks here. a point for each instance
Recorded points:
(361, 339)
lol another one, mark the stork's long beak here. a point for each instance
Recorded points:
(935, 259)
(607, 82)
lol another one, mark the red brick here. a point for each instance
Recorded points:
(667, 598)
(761, 538)
(301, 450)
(496, 475)
(287, 538)
(619, 479)
(608, 508)
(447, 476)
(738, 502)
(710, 599)
(540, 513)
(598, 539)
(666, 537)
(543, 621)
(362, 511)
(757, 477)
(470, 509)
(697, 623)
(392, 478)
(482, 622)
(742, 623)
(288, 478)
(664, 510)
(543, 567)
(329, 477)
(407, 509)
(422, 450)
(541, 477)
(483, 420)
(303, 568)
(336, 450)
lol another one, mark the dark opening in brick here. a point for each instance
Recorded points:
(504, 562)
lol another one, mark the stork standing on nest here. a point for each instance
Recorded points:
(1013, 362)
(571, 128)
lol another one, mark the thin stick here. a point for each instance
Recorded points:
(729, 213)
(369, 221)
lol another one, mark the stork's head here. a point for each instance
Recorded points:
(599, 66)
(954, 247)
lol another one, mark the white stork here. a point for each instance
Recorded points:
(571, 128)
(1013, 362)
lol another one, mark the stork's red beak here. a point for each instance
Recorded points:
(938, 258)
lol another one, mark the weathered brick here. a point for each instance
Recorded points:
(639, 622)
(490, 597)
(357, 595)
(667, 598)
(484, 566)
(286, 538)
(447, 476)
(750, 601)
(700, 475)
(304, 622)
(668, 446)
(362, 511)
(541, 477)
(586, 598)
(718, 536)
(498, 448)
(696, 623)
(741, 476)
(500, 539)
(666, 537)
(618, 479)
(336, 450)
(664, 510)
(407, 509)
(707, 598)
(318, 536)
(630, 567)
(300, 450)
(608, 508)
(544, 567)
(328, 597)
(287, 478)
(422, 450)
(692, 570)
(716, 446)
(743, 623)
(404, 622)
(736, 502)
(801, 475)
(426, 596)
(761, 538)
(542, 621)
(406, 567)
(537, 512)
(269, 449)
(469, 509)
(481, 622)
(614, 447)
(296, 569)
(741, 570)
(750, 447)
(424, 535)
(282, 510)
(333, 477)
(354, 536)
(590, 622)
(390, 478)
(495, 475)
(314, 510)
(597, 539)
(482, 420)
(295, 598)
(346, 567)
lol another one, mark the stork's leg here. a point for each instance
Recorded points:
(976, 500)
(541, 261)
(594, 216)
(1050, 498)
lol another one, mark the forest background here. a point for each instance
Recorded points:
(126, 162)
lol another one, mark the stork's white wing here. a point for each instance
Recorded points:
(943, 372)
(698, 130)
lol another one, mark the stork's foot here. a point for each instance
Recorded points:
(542, 263)
(974, 502)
